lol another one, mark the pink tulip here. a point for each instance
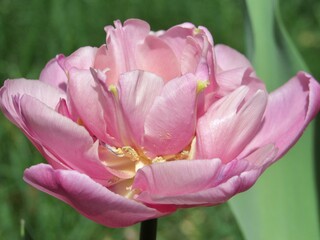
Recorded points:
(151, 122)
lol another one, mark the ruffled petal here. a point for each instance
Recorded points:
(170, 124)
(68, 142)
(88, 197)
(228, 127)
(88, 99)
(176, 177)
(137, 92)
(290, 108)
(188, 183)
(119, 55)
(14, 89)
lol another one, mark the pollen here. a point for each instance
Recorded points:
(196, 31)
(201, 85)
(140, 158)
(113, 89)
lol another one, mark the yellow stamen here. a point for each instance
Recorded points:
(130, 153)
(113, 89)
(201, 85)
(196, 31)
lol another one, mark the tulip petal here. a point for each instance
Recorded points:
(67, 141)
(119, 54)
(138, 90)
(88, 197)
(228, 58)
(190, 56)
(200, 182)
(154, 55)
(224, 131)
(88, 99)
(83, 58)
(170, 124)
(177, 177)
(289, 110)
(45, 93)
(176, 37)
(54, 75)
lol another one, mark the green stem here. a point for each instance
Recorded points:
(148, 230)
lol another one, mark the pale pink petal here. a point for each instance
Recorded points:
(207, 34)
(154, 55)
(119, 55)
(229, 80)
(116, 128)
(63, 109)
(67, 141)
(177, 177)
(88, 197)
(87, 100)
(54, 75)
(83, 58)
(263, 156)
(170, 124)
(188, 183)
(190, 56)
(137, 92)
(45, 93)
(289, 110)
(176, 37)
(228, 127)
(228, 58)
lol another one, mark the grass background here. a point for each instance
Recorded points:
(34, 31)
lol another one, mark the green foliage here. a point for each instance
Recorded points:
(283, 204)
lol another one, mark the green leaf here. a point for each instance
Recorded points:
(283, 203)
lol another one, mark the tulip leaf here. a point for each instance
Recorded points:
(283, 203)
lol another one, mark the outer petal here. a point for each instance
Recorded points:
(54, 75)
(289, 110)
(138, 90)
(227, 58)
(45, 93)
(64, 139)
(177, 177)
(228, 127)
(200, 182)
(88, 197)
(170, 124)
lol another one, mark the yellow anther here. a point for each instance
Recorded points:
(202, 85)
(113, 89)
(130, 153)
(158, 160)
(196, 31)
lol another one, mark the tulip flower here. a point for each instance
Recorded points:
(152, 122)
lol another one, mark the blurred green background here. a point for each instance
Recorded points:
(34, 31)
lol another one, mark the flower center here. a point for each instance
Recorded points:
(140, 159)
(124, 162)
